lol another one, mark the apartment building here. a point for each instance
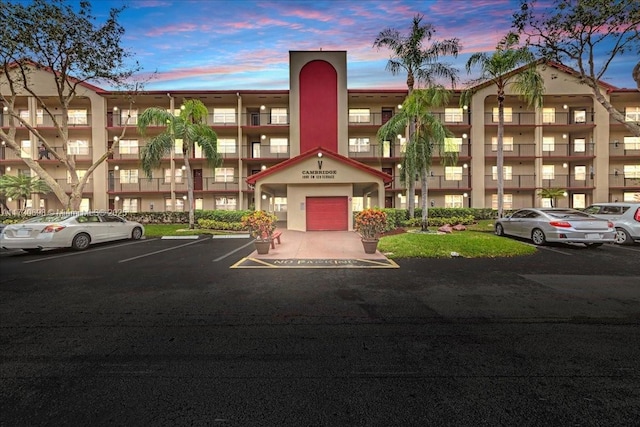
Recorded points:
(310, 153)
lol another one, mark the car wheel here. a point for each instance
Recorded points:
(499, 230)
(622, 237)
(81, 242)
(538, 237)
(32, 250)
(136, 234)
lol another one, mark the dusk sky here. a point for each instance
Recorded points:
(242, 44)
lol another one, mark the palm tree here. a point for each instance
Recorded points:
(427, 140)
(21, 187)
(190, 127)
(496, 68)
(421, 65)
(553, 194)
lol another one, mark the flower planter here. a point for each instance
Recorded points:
(262, 246)
(370, 245)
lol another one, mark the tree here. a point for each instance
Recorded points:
(427, 140)
(73, 50)
(636, 74)
(553, 194)
(497, 68)
(20, 187)
(577, 33)
(421, 64)
(189, 126)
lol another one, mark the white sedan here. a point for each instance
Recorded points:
(68, 230)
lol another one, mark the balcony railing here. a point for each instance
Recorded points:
(516, 181)
(264, 151)
(511, 119)
(159, 185)
(66, 186)
(46, 121)
(569, 150)
(80, 154)
(621, 149)
(117, 155)
(511, 150)
(618, 180)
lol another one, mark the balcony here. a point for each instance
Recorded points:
(375, 151)
(569, 150)
(261, 150)
(136, 155)
(80, 154)
(620, 149)
(66, 186)
(159, 185)
(511, 150)
(516, 182)
(513, 119)
(45, 121)
(436, 182)
(619, 181)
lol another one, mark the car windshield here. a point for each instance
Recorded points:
(48, 218)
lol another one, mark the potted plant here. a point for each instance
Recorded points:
(370, 223)
(260, 225)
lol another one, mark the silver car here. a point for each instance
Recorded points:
(68, 230)
(625, 217)
(542, 225)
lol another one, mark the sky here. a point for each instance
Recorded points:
(244, 45)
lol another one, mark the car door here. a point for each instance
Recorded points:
(116, 227)
(514, 224)
(90, 223)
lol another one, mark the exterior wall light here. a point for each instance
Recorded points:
(319, 154)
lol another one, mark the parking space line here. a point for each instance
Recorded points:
(87, 252)
(162, 250)
(546, 248)
(626, 248)
(232, 252)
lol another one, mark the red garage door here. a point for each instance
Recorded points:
(327, 214)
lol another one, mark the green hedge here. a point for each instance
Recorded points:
(211, 224)
(440, 221)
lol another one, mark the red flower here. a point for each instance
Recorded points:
(370, 223)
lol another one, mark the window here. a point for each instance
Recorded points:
(579, 145)
(24, 115)
(403, 201)
(80, 172)
(77, 117)
(130, 115)
(25, 149)
(507, 172)
(631, 171)
(632, 114)
(198, 204)
(177, 146)
(507, 201)
(226, 146)
(129, 205)
(359, 115)
(549, 115)
(226, 203)
(128, 176)
(507, 143)
(179, 204)
(508, 114)
(453, 173)
(78, 147)
(85, 205)
(548, 143)
(128, 146)
(224, 174)
(580, 116)
(279, 145)
(631, 142)
(548, 172)
(359, 145)
(453, 201)
(279, 204)
(167, 176)
(580, 173)
(453, 115)
(579, 201)
(631, 197)
(452, 145)
(357, 204)
(224, 115)
(278, 116)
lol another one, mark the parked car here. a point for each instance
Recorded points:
(542, 225)
(68, 230)
(625, 217)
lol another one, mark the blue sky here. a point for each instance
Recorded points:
(242, 44)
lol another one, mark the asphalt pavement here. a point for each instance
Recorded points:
(165, 333)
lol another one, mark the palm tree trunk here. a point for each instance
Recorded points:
(424, 197)
(187, 170)
(500, 156)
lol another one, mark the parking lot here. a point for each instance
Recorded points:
(165, 332)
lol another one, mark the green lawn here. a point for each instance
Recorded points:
(478, 241)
